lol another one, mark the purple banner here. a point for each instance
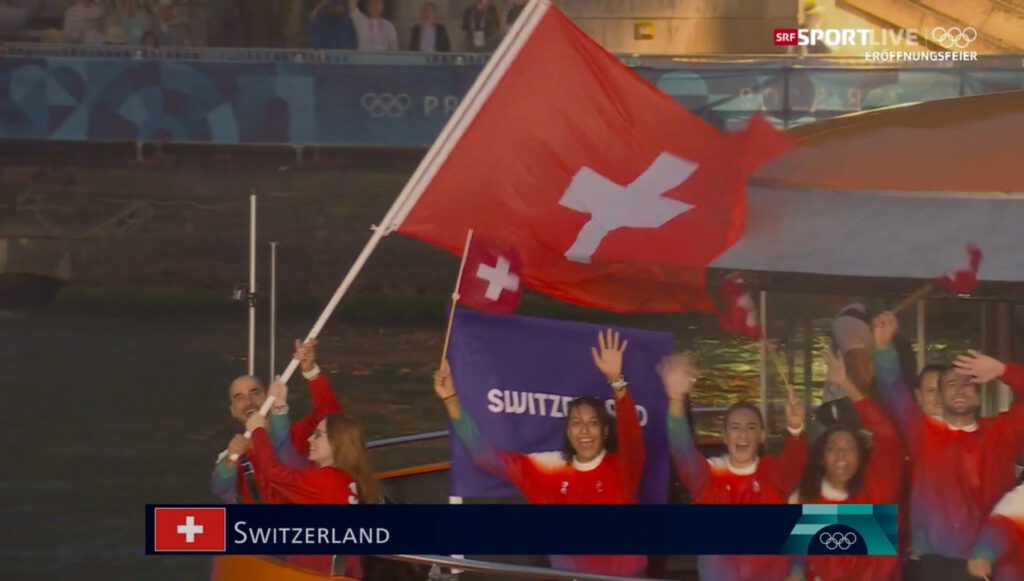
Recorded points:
(515, 376)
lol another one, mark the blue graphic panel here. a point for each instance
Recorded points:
(844, 529)
(399, 104)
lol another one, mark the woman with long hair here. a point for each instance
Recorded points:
(744, 475)
(602, 461)
(845, 470)
(338, 472)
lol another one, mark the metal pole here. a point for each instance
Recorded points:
(251, 294)
(922, 343)
(763, 310)
(273, 309)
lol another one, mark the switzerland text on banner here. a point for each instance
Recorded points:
(515, 374)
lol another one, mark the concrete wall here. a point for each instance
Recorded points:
(680, 26)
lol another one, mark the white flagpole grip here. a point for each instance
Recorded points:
(325, 315)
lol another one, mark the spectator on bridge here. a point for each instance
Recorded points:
(481, 23)
(150, 40)
(514, 11)
(168, 28)
(83, 22)
(375, 33)
(224, 23)
(331, 27)
(128, 22)
(428, 35)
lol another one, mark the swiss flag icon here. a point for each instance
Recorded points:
(491, 277)
(189, 529)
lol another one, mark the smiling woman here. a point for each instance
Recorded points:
(602, 461)
(742, 476)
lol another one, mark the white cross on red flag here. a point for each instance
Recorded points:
(189, 529)
(492, 277)
(739, 314)
(616, 197)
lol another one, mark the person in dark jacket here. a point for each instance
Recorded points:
(482, 24)
(331, 27)
(428, 35)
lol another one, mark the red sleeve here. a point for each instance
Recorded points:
(310, 486)
(631, 455)
(324, 404)
(1014, 378)
(884, 472)
(533, 481)
(1008, 435)
(787, 468)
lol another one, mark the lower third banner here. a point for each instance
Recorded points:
(502, 529)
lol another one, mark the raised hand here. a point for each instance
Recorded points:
(444, 387)
(239, 445)
(979, 367)
(837, 375)
(255, 421)
(608, 354)
(679, 374)
(884, 327)
(796, 410)
(279, 391)
(979, 568)
(305, 354)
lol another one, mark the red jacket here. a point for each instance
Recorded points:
(715, 481)
(1001, 541)
(959, 474)
(312, 485)
(882, 485)
(611, 478)
(324, 404)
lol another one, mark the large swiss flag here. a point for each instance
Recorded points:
(614, 195)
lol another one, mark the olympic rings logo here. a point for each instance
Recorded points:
(386, 104)
(955, 36)
(840, 541)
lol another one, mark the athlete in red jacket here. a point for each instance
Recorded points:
(337, 472)
(236, 480)
(843, 471)
(962, 464)
(743, 476)
(590, 474)
(999, 553)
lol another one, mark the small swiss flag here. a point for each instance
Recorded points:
(739, 315)
(492, 278)
(964, 280)
(189, 529)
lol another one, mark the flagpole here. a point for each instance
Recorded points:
(455, 296)
(357, 266)
(251, 294)
(914, 297)
(447, 336)
(470, 106)
(493, 71)
(777, 361)
(438, 152)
